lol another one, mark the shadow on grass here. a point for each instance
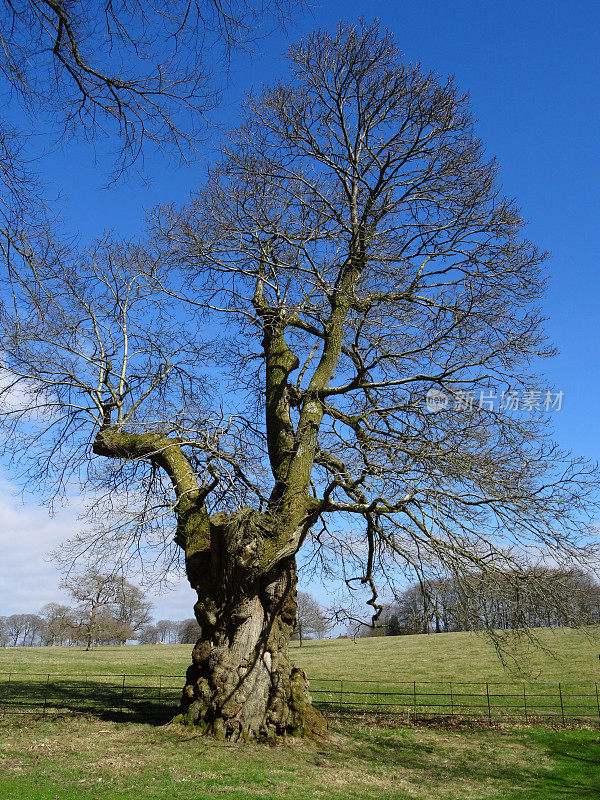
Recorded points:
(552, 763)
(116, 702)
(576, 762)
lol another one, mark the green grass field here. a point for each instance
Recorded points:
(567, 655)
(90, 758)
(83, 759)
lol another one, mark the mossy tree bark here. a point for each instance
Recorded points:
(241, 683)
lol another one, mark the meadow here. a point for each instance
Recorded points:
(560, 654)
(87, 757)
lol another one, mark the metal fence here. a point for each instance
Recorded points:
(533, 703)
(134, 697)
(156, 697)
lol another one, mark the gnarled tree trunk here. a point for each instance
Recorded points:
(241, 683)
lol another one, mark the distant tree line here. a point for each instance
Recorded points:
(57, 624)
(170, 631)
(537, 597)
(107, 610)
(110, 610)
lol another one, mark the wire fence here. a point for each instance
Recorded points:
(535, 703)
(144, 698)
(138, 698)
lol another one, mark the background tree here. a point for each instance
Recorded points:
(14, 626)
(310, 617)
(133, 609)
(189, 631)
(108, 629)
(109, 608)
(149, 634)
(168, 630)
(92, 592)
(59, 622)
(394, 626)
(356, 250)
(24, 630)
(535, 597)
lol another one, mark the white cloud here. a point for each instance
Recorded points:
(177, 603)
(28, 578)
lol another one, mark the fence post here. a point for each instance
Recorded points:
(414, 701)
(487, 691)
(562, 707)
(341, 694)
(451, 700)
(46, 696)
(597, 699)
(7, 690)
(122, 693)
(525, 702)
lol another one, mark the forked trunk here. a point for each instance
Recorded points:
(241, 684)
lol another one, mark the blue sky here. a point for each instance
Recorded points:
(531, 71)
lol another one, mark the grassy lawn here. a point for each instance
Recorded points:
(404, 674)
(88, 759)
(569, 655)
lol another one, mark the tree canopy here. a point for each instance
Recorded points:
(132, 74)
(259, 369)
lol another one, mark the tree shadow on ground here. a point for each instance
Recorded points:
(116, 702)
(550, 763)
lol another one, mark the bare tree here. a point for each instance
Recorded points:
(168, 630)
(310, 617)
(149, 634)
(23, 630)
(189, 631)
(110, 630)
(60, 622)
(109, 608)
(353, 253)
(92, 592)
(4, 636)
(133, 609)
(394, 625)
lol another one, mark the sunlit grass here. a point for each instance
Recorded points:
(86, 758)
(569, 655)
(82, 759)
(561, 654)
